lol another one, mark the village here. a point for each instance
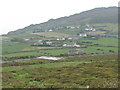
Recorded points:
(73, 41)
(88, 32)
(76, 43)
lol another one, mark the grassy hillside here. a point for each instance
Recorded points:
(94, 16)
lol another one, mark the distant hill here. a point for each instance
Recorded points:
(94, 16)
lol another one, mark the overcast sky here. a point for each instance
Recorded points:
(16, 14)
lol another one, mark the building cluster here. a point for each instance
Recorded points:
(52, 43)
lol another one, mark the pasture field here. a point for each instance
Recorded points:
(109, 26)
(40, 52)
(101, 41)
(70, 31)
(10, 47)
(18, 49)
(95, 49)
(51, 34)
(25, 35)
(72, 72)
(23, 54)
(62, 51)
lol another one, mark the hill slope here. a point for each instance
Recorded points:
(94, 16)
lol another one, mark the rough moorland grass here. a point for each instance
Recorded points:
(94, 75)
(92, 57)
(48, 65)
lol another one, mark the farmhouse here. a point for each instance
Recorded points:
(83, 35)
(49, 43)
(26, 39)
(88, 29)
(70, 27)
(60, 39)
(50, 30)
(71, 45)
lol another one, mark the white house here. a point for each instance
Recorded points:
(26, 39)
(49, 43)
(89, 29)
(83, 35)
(71, 45)
(60, 39)
(72, 27)
(70, 38)
(50, 30)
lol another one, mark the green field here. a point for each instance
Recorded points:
(98, 50)
(12, 49)
(70, 31)
(101, 41)
(9, 47)
(51, 34)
